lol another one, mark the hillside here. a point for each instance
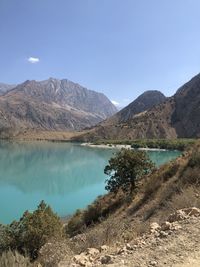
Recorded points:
(177, 116)
(157, 227)
(52, 105)
(5, 88)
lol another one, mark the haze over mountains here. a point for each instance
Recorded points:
(51, 105)
(177, 116)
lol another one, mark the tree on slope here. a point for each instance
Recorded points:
(126, 168)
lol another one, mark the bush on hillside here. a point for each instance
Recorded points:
(194, 161)
(98, 210)
(32, 231)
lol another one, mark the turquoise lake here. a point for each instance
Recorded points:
(66, 176)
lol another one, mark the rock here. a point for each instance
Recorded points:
(154, 227)
(104, 248)
(79, 238)
(163, 234)
(182, 214)
(129, 247)
(153, 263)
(106, 259)
(92, 251)
(81, 259)
(179, 215)
(192, 211)
(122, 250)
(176, 226)
(166, 226)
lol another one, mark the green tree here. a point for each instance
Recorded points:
(33, 230)
(126, 168)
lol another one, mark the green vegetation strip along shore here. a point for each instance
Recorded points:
(170, 144)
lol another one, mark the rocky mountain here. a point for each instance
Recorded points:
(144, 102)
(177, 116)
(52, 105)
(5, 88)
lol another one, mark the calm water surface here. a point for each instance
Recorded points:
(67, 176)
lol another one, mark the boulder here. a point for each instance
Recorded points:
(182, 214)
(129, 247)
(154, 227)
(192, 211)
(104, 248)
(92, 252)
(106, 259)
(166, 226)
(82, 260)
(179, 215)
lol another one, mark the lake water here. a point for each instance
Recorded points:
(67, 176)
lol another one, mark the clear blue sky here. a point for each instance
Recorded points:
(118, 47)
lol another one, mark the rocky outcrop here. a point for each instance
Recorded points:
(52, 105)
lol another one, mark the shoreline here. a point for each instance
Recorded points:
(110, 146)
(118, 146)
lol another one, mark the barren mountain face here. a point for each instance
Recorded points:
(5, 88)
(52, 105)
(177, 116)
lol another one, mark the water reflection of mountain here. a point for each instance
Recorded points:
(52, 168)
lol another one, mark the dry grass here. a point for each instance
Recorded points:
(189, 197)
(14, 259)
(55, 251)
(109, 232)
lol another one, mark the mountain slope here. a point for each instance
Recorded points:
(5, 88)
(177, 116)
(52, 105)
(186, 117)
(144, 102)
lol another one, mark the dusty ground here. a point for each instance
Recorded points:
(177, 247)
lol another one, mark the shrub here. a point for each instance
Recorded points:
(194, 161)
(75, 224)
(5, 238)
(171, 171)
(94, 213)
(33, 230)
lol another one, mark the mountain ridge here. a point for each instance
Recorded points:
(52, 105)
(178, 116)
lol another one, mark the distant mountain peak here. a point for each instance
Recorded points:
(145, 101)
